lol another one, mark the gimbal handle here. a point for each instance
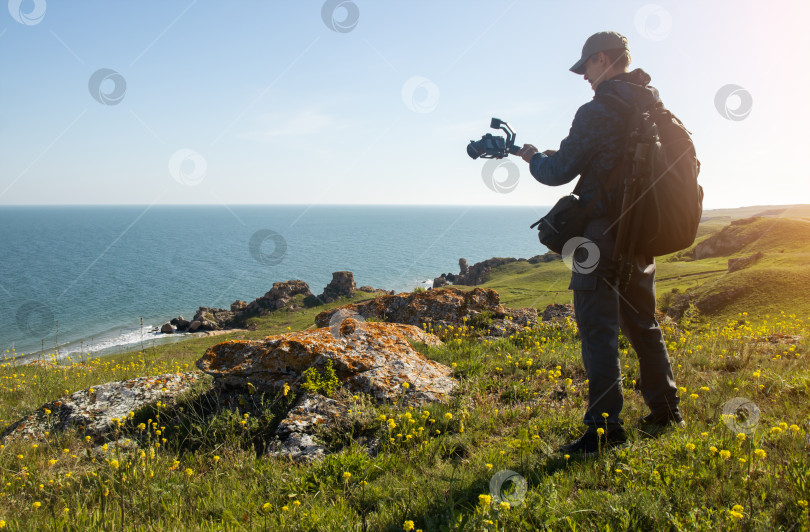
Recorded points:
(497, 123)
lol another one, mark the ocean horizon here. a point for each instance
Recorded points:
(83, 278)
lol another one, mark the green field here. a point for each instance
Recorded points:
(520, 398)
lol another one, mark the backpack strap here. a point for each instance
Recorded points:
(625, 109)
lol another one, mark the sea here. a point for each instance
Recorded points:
(79, 281)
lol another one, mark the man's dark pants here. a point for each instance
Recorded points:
(600, 310)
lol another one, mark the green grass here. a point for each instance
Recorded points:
(519, 399)
(770, 285)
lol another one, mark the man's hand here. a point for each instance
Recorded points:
(527, 152)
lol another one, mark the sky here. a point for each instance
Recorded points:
(371, 102)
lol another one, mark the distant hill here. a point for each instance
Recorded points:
(768, 248)
(717, 218)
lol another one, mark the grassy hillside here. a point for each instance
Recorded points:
(519, 399)
(774, 283)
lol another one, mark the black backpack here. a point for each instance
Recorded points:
(662, 201)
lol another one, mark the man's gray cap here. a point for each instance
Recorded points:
(599, 42)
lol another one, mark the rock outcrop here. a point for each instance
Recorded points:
(727, 241)
(743, 262)
(342, 285)
(292, 295)
(370, 358)
(181, 323)
(440, 308)
(477, 273)
(281, 295)
(213, 319)
(93, 411)
(558, 311)
(440, 281)
(297, 435)
(367, 358)
(548, 256)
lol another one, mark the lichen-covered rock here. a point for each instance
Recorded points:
(296, 436)
(440, 308)
(372, 358)
(93, 410)
(558, 311)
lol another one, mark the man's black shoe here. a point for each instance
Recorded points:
(662, 420)
(591, 442)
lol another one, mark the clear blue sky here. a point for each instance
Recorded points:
(273, 106)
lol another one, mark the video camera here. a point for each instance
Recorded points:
(492, 147)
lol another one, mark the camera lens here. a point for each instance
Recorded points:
(473, 149)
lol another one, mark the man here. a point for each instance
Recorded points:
(593, 149)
